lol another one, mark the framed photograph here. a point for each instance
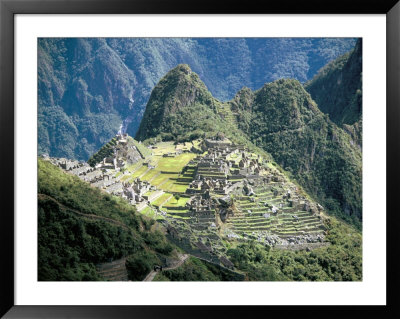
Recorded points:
(231, 156)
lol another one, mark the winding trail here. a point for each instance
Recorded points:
(90, 216)
(152, 274)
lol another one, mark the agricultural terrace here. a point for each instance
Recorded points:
(165, 172)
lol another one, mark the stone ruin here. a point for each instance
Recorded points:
(226, 174)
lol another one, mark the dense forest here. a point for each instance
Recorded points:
(337, 88)
(340, 261)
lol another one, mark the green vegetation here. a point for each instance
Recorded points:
(105, 151)
(181, 90)
(165, 174)
(318, 154)
(142, 149)
(337, 88)
(70, 246)
(174, 164)
(163, 198)
(188, 113)
(88, 86)
(340, 261)
(79, 226)
(195, 269)
(141, 264)
(177, 201)
(280, 118)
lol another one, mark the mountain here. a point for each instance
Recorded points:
(182, 109)
(337, 89)
(281, 118)
(89, 88)
(179, 104)
(284, 120)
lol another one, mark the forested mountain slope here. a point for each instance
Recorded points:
(337, 89)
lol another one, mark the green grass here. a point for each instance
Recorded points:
(139, 172)
(161, 199)
(178, 216)
(162, 178)
(164, 148)
(177, 203)
(149, 212)
(149, 175)
(176, 212)
(175, 164)
(172, 186)
(167, 169)
(143, 149)
(131, 168)
(148, 193)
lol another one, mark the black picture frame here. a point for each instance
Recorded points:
(8, 9)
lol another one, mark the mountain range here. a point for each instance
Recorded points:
(89, 88)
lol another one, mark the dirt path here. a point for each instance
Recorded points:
(179, 263)
(90, 216)
(150, 276)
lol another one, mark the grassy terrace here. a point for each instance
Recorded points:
(169, 147)
(168, 171)
(163, 148)
(250, 218)
(173, 186)
(149, 212)
(145, 151)
(173, 175)
(139, 172)
(178, 216)
(162, 199)
(166, 174)
(149, 175)
(174, 164)
(173, 202)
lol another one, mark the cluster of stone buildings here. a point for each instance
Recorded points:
(107, 174)
(219, 172)
(135, 192)
(124, 152)
(225, 170)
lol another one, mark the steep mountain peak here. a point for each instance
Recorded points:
(178, 90)
(243, 99)
(184, 68)
(285, 105)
